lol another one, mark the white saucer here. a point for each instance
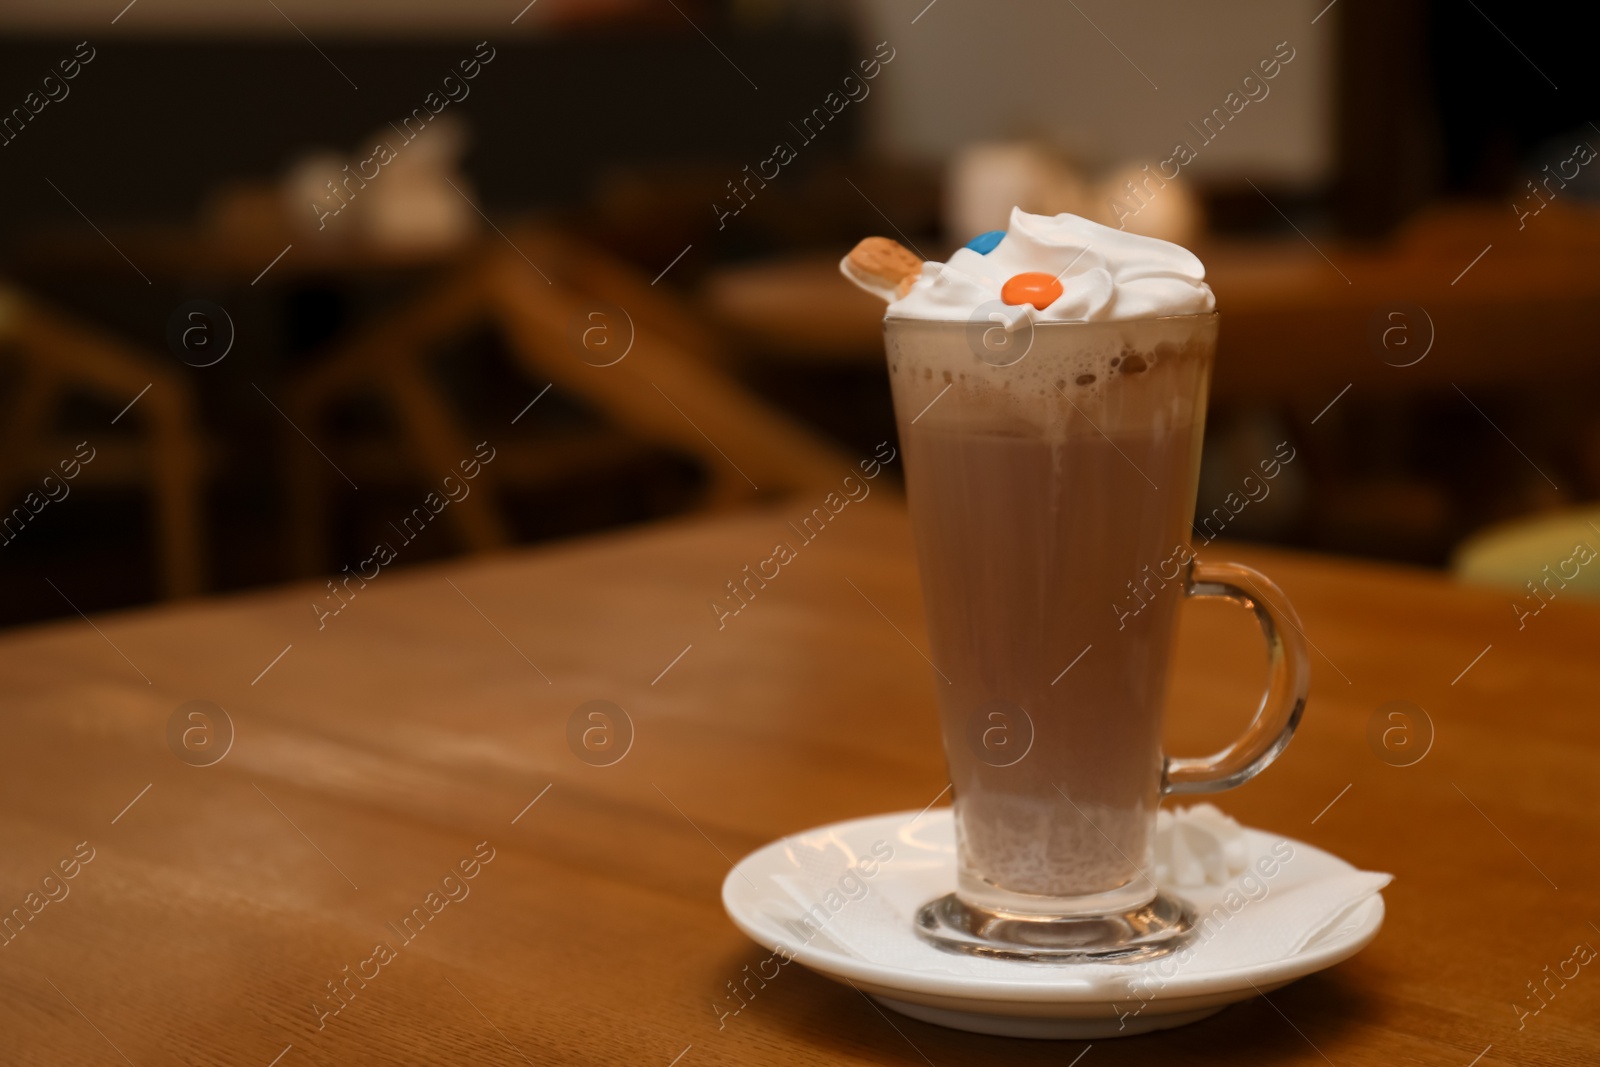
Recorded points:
(1013, 999)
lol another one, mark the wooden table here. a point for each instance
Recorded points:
(373, 756)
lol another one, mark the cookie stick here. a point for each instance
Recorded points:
(884, 268)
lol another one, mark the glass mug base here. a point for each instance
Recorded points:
(1158, 928)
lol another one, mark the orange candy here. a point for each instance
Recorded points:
(1034, 287)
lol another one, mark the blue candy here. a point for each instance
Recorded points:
(984, 243)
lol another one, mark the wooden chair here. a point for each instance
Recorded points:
(59, 356)
(666, 391)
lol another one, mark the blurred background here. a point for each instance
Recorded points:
(271, 271)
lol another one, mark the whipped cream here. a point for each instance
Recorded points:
(1198, 845)
(1106, 274)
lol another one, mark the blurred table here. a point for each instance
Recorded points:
(427, 724)
(1300, 320)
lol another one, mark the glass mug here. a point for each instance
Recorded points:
(1051, 476)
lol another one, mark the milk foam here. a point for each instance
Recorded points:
(1047, 361)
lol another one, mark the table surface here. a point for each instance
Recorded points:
(371, 757)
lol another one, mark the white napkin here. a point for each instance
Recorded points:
(1256, 897)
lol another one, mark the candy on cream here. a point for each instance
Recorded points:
(1105, 274)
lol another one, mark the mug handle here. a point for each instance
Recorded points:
(1281, 705)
